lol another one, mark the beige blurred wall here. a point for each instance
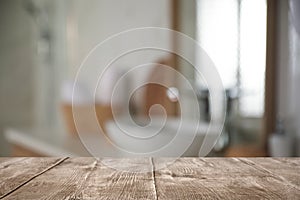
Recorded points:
(16, 68)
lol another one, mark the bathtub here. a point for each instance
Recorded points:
(159, 138)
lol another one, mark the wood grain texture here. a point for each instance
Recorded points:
(219, 178)
(87, 178)
(110, 183)
(62, 182)
(144, 178)
(15, 172)
(285, 168)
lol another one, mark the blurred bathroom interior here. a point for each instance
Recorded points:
(57, 93)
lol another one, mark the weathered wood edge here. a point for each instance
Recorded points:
(258, 166)
(33, 177)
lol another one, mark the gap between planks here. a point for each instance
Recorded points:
(33, 177)
(153, 178)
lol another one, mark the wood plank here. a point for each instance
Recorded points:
(220, 178)
(16, 172)
(85, 178)
(114, 179)
(61, 182)
(7, 160)
(186, 178)
(285, 168)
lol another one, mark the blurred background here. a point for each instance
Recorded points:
(254, 44)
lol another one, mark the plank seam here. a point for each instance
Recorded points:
(154, 179)
(33, 177)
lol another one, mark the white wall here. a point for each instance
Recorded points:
(30, 86)
(288, 71)
(90, 23)
(16, 68)
(187, 25)
(50, 65)
(295, 71)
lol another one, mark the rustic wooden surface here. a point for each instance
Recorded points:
(186, 178)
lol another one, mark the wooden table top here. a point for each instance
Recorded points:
(186, 178)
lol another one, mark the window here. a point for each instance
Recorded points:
(233, 33)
